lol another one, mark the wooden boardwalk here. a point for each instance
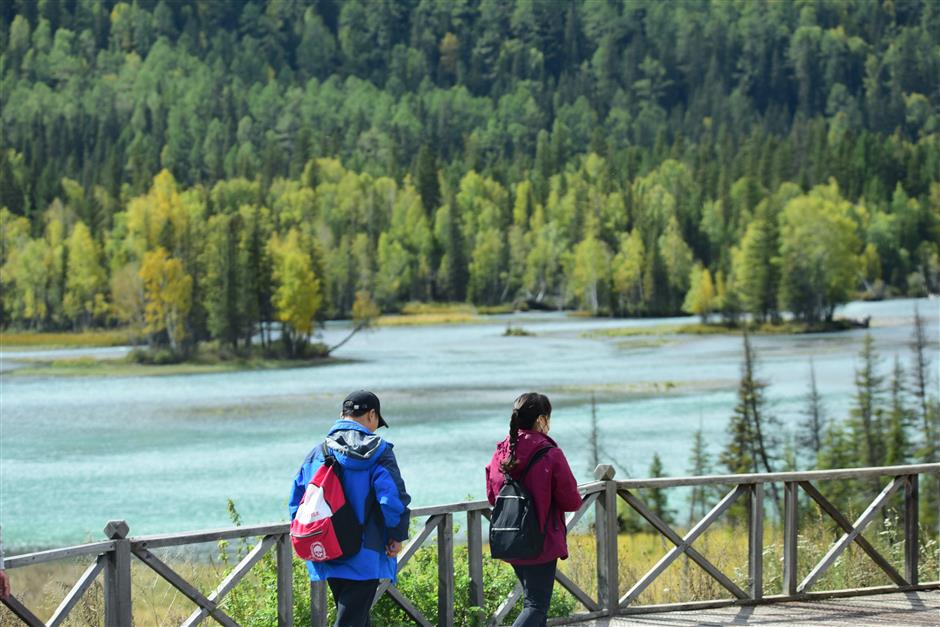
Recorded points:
(900, 609)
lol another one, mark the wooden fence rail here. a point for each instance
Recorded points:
(112, 558)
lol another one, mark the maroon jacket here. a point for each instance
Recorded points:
(550, 482)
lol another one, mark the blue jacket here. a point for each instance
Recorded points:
(368, 463)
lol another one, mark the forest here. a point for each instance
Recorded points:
(204, 170)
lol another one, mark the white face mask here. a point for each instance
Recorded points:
(543, 424)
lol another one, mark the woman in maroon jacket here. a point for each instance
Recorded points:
(553, 489)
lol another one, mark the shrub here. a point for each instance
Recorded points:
(154, 356)
(418, 582)
(253, 602)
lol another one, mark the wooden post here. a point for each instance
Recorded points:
(318, 603)
(790, 521)
(475, 556)
(445, 571)
(118, 611)
(605, 526)
(755, 554)
(911, 545)
(285, 582)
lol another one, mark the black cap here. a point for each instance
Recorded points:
(362, 401)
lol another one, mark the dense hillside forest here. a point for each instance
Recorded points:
(194, 169)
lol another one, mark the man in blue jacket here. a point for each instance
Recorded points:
(374, 487)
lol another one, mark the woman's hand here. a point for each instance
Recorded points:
(393, 548)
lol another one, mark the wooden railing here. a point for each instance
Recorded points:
(751, 489)
(111, 559)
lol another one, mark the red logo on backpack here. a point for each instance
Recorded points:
(325, 526)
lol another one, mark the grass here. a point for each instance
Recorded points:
(427, 314)
(726, 547)
(155, 602)
(78, 339)
(415, 308)
(654, 331)
(494, 310)
(428, 319)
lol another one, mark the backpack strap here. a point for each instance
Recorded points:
(535, 457)
(370, 497)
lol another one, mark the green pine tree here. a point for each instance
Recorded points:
(656, 498)
(700, 463)
(754, 443)
(898, 444)
(813, 427)
(426, 180)
(866, 414)
(926, 408)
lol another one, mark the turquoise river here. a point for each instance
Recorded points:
(165, 453)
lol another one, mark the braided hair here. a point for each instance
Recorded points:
(525, 411)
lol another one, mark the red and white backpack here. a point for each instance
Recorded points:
(325, 526)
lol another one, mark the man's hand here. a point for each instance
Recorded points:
(393, 548)
(5, 584)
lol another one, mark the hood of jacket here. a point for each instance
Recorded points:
(353, 445)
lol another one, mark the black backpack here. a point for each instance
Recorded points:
(514, 527)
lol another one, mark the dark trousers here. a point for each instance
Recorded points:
(353, 601)
(537, 582)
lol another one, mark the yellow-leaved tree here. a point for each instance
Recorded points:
(701, 299)
(297, 296)
(627, 273)
(168, 291)
(85, 279)
(129, 302)
(589, 269)
(158, 218)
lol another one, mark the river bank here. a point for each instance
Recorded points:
(20, 340)
(125, 367)
(32, 356)
(787, 327)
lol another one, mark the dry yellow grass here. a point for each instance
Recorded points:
(427, 319)
(156, 603)
(425, 314)
(726, 547)
(82, 339)
(419, 308)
